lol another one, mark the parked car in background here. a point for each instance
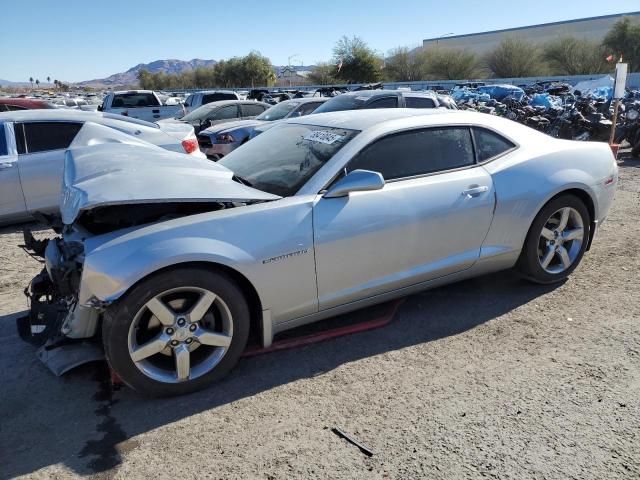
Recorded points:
(216, 142)
(141, 104)
(14, 104)
(198, 99)
(367, 99)
(32, 150)
(222, 111)
(318, 216)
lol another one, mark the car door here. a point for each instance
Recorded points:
(12, 205)
(41, 147)
(429, 220)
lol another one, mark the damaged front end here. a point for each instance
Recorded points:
(55, 323)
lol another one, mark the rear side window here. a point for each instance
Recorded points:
(45, 136)
(252, 110)
(386, 102)
(489, 144)
(417, 152)
(419, 102)
(215, 97)
(224, 113)
(15, 108)
(132, 100)
(3, 141)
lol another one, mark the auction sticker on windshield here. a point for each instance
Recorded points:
(323, 136)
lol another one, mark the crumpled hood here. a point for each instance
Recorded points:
(117, 174)
(231, 126)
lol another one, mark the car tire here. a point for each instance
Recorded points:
(137, 324)
(551, 255)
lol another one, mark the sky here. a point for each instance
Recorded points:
(76, 40)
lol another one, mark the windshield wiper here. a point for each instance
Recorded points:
(241, 180)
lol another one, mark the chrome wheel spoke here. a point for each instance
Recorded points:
(548, 256)
(564, 257)
(161, 311)
(547, 234)
(183, 362)
(150, 348)
(213, 339)
(202, 306)
(574, 234)
(564, 218)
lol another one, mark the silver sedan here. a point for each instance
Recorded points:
(316, 217)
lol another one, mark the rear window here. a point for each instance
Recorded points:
(215, 97)
(132, 100)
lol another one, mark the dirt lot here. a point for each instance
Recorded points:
(492, 377)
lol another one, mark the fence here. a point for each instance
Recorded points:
(633, 81)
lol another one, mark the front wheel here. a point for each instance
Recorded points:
(556, 241)
(177, 331)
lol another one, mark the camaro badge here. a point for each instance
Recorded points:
(286, 255)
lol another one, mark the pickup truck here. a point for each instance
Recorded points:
(140, 104)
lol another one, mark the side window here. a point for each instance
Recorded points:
(417, 152)
(15, 108)
(249, 110)
(44, 136)
(224, 113)
(419, 102)
(19, 133)
(490, 144)
(307, 108)
(188, 101)
(3, 108)
(3, 141)
(386, 102)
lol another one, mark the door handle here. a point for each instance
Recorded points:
(4, 166)
(475, 191)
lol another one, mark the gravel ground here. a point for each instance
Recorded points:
(492, 377)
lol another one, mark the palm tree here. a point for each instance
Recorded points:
(31, 80)
(37, 83)
(48, 79)
(55, 82)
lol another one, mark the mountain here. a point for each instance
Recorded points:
(130, 77)
(9, 83)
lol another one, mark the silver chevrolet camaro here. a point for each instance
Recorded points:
(175, 263)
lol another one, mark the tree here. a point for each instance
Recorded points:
(574, 56)
(256, 70)
(48, 79)
(31, 80)
(37, 83)
(358, 63)
(403, 64)
(56, 83)
(514, 57)
(323, 74)
(145, 79)
(450, 63)
(624, 39)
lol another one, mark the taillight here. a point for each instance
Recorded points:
(225, 138)
(190, 145)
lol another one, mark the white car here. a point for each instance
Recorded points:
(32, 150)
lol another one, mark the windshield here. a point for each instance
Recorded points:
(277, 112)
(281, 160)
(198, 114)
(342, 102)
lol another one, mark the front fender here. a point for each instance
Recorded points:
(110, 272)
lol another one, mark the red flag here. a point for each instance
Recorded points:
(609, 58)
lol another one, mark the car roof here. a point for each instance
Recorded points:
(222, 103)
(61, 114)
(305, 100)
(207, 92)
(375, 93)
(363, 118)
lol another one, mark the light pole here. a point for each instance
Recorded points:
(289, 64)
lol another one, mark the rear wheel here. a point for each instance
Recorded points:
(176, 332)
(556, 240)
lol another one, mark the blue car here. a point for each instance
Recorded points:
(217, 141)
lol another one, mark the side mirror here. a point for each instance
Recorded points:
(356, 181)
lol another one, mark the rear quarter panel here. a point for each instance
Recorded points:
(528, 178)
